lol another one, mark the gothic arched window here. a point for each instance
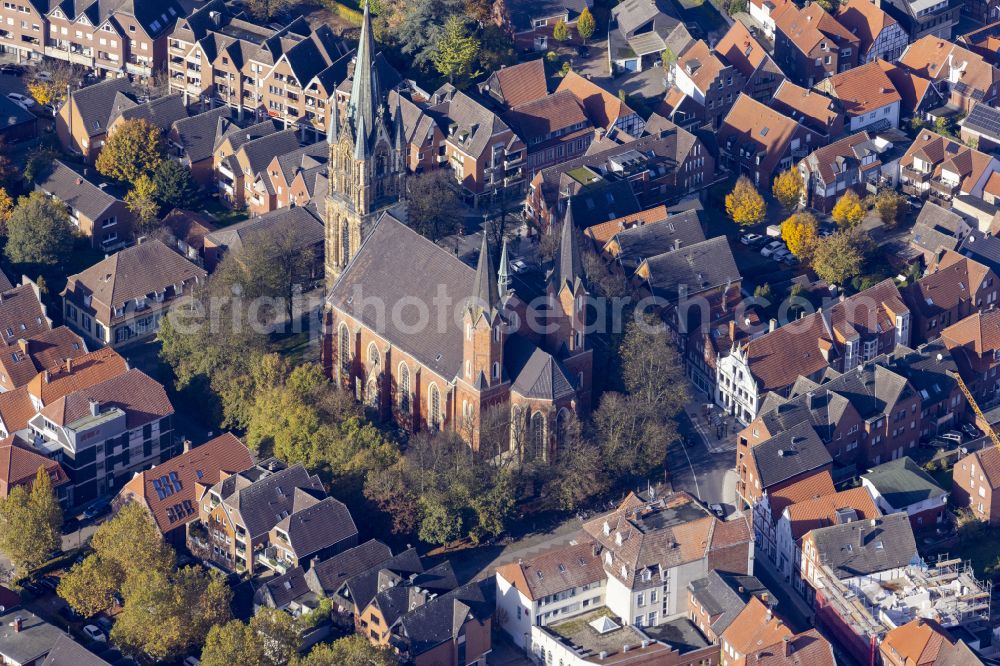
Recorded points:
(537, 435)
(345, 242)
(434, 407)
(404, 388)
(345, 348)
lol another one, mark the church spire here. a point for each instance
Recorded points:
(333, 131)
(361, 140)
(365, 92)
(484, 289)
(569, 266)
(503, 276)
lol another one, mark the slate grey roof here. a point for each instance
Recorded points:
(603, 202)
(259, 152)
(12, 115)
(80, 192)
(536, 373)
(328, 576)
(96, 103)
(261, 503)
(322, 525)
(67, 652)
(198, 134)
(399, 598)
(442, 618)
(523, 11)
(936, 227)
(725, 594)
(282, 590)
(788, 454)
(161, 112)
(461, 116)
(698, 267)
(865, 547)
(650, 240)
(34, 640)
(238, 136)
(307, 157)
(298, 222)
(364, 586)
(983, 119)
(903, 482)
(982, 248)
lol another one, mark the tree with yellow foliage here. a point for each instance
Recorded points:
(848, 211)
(744, 205)
(6, 208)
(787, 188)
(800, 233)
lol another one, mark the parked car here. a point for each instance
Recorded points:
(780, 254)
(96, 509)
(518, 266)
(11, 69)
(952, 436)
(791, 259)
(21, 100)
(771, 248)
(44, 76)
(49, 582)
(191, 661)
(751, 239)
(94, 633)
(971, 431)
(67, 613)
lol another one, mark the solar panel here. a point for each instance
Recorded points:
(168, 489)
(175, 481)
(158, 488)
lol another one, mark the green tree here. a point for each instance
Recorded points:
(419, 29)
(89, 586)
(431, 202)
(439, 524)
(233, 643)
(787, 188)
(848, 211)
(586, 25)
(174, 187)
(133, 149)
(456, 51)
(131, 542)
(838, 258)
(30, 522)
(354, 650)
(744, 205)
(38, 165)
(560, 32)
(651, 368)
(141, 201)
(39, 231)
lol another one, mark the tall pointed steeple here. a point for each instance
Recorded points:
(365, 92)
(333, 131)
(484, 289)
(569, 266)
(503, 275)
(361, 140)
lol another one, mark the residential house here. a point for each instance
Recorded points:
(187, 229)
(171, 491)
(975, 483)
(716, 600)
(818, 112)
(17, 124)
(517, 84)
(800, 518)
(921, 19)
(878, 548)
(483, 150)
(289, 179)
(423, 137)
(299, 228)
(19, 465)
(532, 22)
(983, 40)
(810, 45)
(867, 96)
(902, 485)
(82, 123)
(218, 56)
(937, 229)
(841, 335)
(634, 244)
(771, 505)
(768, 466)
(161, 112)
(859, 162)
(937, 166)
(237, 173)
(759, 142)
(549, 588)
(974, 343)
(604, 110)
(649, 171)
(554, 129)
(953, 288)
(653, 547)
(706, 78)
(640, 31)
(918, 94)
(270, 517)
(96, 207)
(482, 363)
(808, 647)
(126, 294)
(602, 233)
(67, 652)
(755, 626)
(924, 642)
(25, 638)
(744, 51)
(192, 139)
(981, 128)
(763, 12)
(881, 37)
(962, 78)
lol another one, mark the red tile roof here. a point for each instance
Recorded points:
(865, 19)
(822, 511)
(555, 570)
(810, 487)
(770, 130)
(522, 83)
(19, 464)
(862, 89)
(806, 649)
(603, 108)
(16, 409)
(754, 628)
(605, 231)
(87, 370)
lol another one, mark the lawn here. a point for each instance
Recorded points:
(982, 550)
(221, 214)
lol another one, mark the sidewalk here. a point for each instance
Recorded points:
(793, 608)
(716, 429)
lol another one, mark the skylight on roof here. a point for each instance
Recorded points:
(763, 132)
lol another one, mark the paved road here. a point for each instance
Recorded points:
(701, 467)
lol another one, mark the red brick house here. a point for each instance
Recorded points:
(810, 45)
(953, 288)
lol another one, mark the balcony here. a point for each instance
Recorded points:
(513, 161)
(942, 188)
(914, 175)
(269, 558)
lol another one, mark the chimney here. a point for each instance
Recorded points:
(23, 345)
(772, 325)
(789, 647)
(18, 624)
(95, 408)
(732, 330)
(677, 243)
(45, 376)
(69, 365)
